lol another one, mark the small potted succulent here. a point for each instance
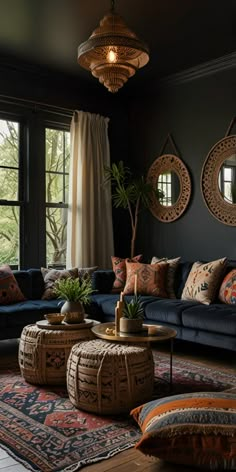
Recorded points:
(132, 316)
(77, 293)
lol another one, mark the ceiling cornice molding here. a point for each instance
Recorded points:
(200, 71)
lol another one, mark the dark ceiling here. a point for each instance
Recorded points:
(180, 33)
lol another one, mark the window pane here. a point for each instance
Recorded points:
(56, 222)
(227, 173)
(9, 160)
(54, 188)
(8, 184)
(227, 191)
(9, 235)
(57, 165)
(9, 143)
(57, 150)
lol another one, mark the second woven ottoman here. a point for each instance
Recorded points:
(109, 378)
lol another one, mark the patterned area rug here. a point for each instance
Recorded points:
(42, 430)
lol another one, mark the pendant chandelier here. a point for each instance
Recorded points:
(113, 53)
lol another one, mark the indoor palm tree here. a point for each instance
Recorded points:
(129, 192)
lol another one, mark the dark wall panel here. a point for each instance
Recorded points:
(197, 113)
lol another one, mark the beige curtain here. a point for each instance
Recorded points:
(89, 226)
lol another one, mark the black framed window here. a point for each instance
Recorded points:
(34, 179)
(57, 161)
(11, 191)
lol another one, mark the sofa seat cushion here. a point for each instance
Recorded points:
(106, 303)
(218, 318)
(167, 310)
(26, 312)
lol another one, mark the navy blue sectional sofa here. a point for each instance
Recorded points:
(212, 325)
(17, 315)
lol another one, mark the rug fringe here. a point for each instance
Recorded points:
(109, 455)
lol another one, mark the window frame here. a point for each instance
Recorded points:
(32, 121)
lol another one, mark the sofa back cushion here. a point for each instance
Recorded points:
(37, 284)
(24, 281)
(181, 275)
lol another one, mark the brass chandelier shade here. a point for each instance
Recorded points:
(113, 53)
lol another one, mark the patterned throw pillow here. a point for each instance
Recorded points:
(119, 267)
(86, 272)
(170, 279)
(203, 281)
(151, 279)
(10, 291)
(227, 293)
(51, 275)
(195, 429)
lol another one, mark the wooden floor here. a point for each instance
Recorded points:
(132, 460)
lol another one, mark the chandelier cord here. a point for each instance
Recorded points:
(112, 6)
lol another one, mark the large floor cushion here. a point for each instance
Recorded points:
(109, 378)
(197, 429)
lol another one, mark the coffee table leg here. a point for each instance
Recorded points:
(171, 360)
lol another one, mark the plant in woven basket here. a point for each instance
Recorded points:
(77, 293)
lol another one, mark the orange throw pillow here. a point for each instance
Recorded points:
(119, 267)
(151, 279)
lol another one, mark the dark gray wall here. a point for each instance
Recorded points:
(197, 113)
(30, 83)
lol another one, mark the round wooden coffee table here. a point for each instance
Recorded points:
(149, 334)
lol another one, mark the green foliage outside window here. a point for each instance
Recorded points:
(57, 181)
(57, 158)
(9, 215)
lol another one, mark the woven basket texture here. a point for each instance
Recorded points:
(109, 378)
(43, 353)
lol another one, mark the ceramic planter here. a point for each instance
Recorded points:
(73, 311)
(130, 326)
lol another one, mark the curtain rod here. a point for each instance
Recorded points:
(59, 110)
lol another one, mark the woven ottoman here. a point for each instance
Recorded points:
(43, 353)
(109, 378)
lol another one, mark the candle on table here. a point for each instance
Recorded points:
(117, 320)
(135, 284)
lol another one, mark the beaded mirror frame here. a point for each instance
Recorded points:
(170, 163)
(214, 200)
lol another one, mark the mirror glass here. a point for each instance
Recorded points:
(168, 185)
(227, 179)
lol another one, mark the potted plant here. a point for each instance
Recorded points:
(77, 293)
(132, 316)
(130, 192)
